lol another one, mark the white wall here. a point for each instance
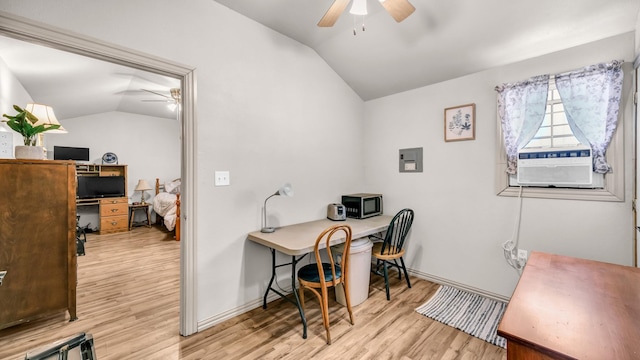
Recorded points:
(11, 93)
(149, 146)
(269, 110)
(637, 42)
(460, 222)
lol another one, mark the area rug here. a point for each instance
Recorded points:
(474, 314)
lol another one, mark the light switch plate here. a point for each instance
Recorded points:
(222, 178)
(6, 145)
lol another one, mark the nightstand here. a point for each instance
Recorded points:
(132, 213)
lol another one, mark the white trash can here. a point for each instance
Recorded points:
(359, 271)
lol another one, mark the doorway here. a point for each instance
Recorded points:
(42, 34)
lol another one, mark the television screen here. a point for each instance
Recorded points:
(90, 187)
(70, 153)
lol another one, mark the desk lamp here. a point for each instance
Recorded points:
(285, 190)
(142, 186)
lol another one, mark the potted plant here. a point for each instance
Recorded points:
(26, 124)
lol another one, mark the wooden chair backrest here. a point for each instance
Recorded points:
(326, 237)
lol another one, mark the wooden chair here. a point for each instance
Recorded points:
(391, 249)
(321, 276)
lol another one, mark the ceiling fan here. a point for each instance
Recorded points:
(398, 9)
(173, 98)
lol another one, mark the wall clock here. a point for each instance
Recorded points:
(109, 158)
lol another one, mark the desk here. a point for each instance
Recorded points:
(298, 240)
(568, 308)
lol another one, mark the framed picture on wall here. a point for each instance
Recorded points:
(460, 123)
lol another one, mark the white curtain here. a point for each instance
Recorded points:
(591, 98)
(521, 107)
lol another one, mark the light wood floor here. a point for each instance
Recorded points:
(128, 299)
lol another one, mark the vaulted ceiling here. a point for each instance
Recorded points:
(441, 40)
(81, 86)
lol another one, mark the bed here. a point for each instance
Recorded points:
(166, 205)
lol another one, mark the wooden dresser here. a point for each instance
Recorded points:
(114, 211)
(569, 308)
(37, 239)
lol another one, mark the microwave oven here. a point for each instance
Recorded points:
(361, 206)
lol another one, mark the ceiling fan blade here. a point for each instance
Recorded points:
(157, 93)
(162, 101)
(334, 12)
(399, 9)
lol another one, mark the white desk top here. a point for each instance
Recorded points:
(299, 239)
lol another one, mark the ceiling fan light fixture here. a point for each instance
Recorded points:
(359, 7)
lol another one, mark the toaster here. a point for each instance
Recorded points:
(336, 212)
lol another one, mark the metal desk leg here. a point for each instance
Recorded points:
(294, 262)
(273, 276)
(295, 293)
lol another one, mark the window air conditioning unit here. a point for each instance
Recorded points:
(561, 167)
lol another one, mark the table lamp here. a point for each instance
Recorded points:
(142, 186)
(46, 117)
(285, 190)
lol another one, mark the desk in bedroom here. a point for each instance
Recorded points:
(113, 211)
(298, 240)
(569, 308)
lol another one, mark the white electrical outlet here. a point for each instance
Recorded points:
(6, 145)
(523, 255)
(222, 178)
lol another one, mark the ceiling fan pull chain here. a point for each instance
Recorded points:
(355, 24)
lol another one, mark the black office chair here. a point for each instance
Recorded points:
(390, 249)
(81, 237)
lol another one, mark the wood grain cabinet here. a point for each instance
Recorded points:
(571, 308)
(114, 216)
(37, 239)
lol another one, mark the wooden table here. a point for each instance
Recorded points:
(569, 308)
(132, 213)
(298, 240)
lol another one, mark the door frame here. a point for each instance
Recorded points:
(636, 149)
(43, 34)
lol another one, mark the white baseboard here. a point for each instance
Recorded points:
(214, 320)
(443, 281)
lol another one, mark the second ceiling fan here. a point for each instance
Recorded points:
(398, 9)
(173, 98)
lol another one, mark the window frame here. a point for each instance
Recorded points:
(613, 182)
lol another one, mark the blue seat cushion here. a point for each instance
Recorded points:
(310, 272)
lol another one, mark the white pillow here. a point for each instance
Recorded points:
(172, 187)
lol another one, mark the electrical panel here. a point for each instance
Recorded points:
(410, 160)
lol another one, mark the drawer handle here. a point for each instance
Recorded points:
(114, 223)
(114, 210)
(114, 202)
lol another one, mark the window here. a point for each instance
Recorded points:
(555, 131)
